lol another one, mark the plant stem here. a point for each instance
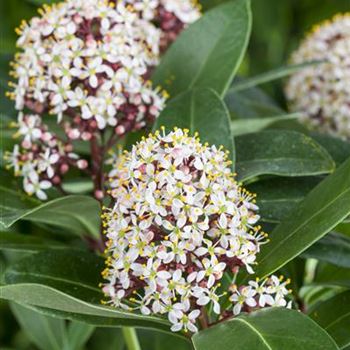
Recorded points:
(131, 339)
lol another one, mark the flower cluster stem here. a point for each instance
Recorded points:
(131, 339)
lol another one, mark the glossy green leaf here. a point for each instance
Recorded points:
(333, 315)
(78, 214)
(270, 76)
(332, 275)
(321, 210)
(107, 339)
(249, 125)
(269, 329)
(44, 331)
(277, 197)
(334, 248)
(252, 103)
(202, 111)
(66, 284)
(209, 52)
(280, 152)
(26, 243)
(78, 334)
(337, 148)
(78, 186)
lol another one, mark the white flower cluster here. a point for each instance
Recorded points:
(89, 58)
(178, 222)
(42, 157)
(321, 91)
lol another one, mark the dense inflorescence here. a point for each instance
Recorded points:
(171, 16)
(321, 91)
(178, 222)
(84, 66)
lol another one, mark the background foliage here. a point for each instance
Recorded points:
(277, 29)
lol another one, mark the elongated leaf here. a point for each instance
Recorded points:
(280, 152)
(269, 329)
(332, 275)
(334, 316)
(54, 302)
(25, 243)
(270, 76)
(67, 282)
(200, 110)
(337, 148)
(322, 209)
(106, 339)
(209, 52)
(44, 331)
(334, 248)
(277, 197)
(252, 103)
(249, 125)
(78, 334)
(79, 214)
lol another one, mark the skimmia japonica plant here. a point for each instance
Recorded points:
(119, 233)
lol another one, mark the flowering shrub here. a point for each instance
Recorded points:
(86, 63)
(173, 224)
(321, 91)
(178, 222)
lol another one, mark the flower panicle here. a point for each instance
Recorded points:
(178, 222)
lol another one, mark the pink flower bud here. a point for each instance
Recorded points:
(56, 180)
(26, 144)
(120, 130)
(74, 134)
(86, 136)
(98, 194)
(64, 168)
(82, 164)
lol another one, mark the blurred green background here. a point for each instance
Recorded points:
(278, 27)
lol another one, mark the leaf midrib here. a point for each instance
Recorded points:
(200, 70)
(256, 331)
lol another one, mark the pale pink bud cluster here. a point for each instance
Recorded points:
(321, 91)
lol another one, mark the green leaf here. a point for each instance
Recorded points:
(78, 186)
(78, 214)
(155, 340)
(280, 152)
(78, 334)
(202, 111)
(334, 316)
(26, 243)
(252, 103)
(321, 210)
(337, 148)
(332, 275)
(334, 248)
(270, 76)
(44, 331)
(277, 197)
(269, 329)
(249, 125)
(65, 284)
(106, 339)
(209, 52)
